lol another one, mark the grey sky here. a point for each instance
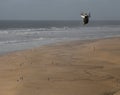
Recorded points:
(58, 9)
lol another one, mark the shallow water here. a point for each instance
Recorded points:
(20, 35)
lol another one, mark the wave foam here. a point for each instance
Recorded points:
(24, 31)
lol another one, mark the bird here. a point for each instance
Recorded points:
(85, 17)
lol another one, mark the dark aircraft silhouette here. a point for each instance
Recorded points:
(85, 17)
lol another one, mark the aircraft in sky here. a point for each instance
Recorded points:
(85, 17)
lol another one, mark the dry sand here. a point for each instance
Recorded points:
(74, 68)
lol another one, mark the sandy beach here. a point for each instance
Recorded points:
(73, 68)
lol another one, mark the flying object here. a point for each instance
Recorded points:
(85, 17)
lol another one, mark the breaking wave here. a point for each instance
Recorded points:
(8, 36)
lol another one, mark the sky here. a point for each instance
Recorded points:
(59, 9)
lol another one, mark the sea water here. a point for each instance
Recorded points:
(20, 35)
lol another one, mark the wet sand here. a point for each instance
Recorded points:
(74, 68)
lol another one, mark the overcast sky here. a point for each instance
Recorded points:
(58, 9)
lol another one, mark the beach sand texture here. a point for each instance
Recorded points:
(74, 68)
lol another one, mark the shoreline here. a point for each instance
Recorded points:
(56, 43)
(87, 67)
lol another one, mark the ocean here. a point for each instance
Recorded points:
(21, 35)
